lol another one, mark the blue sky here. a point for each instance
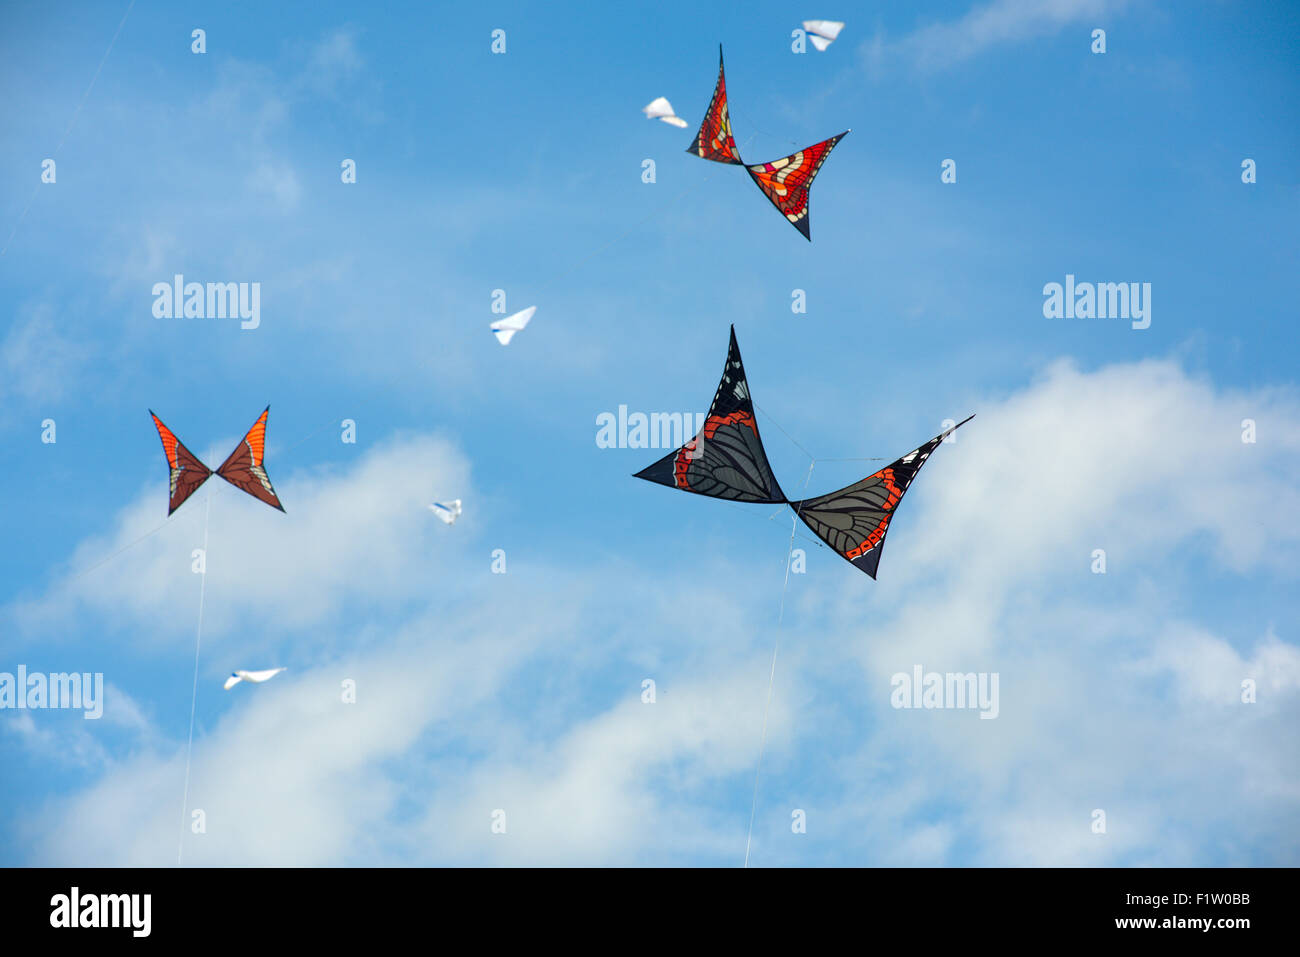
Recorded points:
(521, 691)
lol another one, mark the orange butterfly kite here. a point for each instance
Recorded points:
(242, 469)
(786, 181)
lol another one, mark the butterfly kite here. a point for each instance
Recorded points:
(822, 33)
(447, 511)
(505, 329)
(785, 182)
(256, 677)
(726, 460)
(660, 109)
(243, 469)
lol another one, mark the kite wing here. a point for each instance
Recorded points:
(447, 511)
(786, 182)
(505, 329)
(822, 33)
(854, 520)
(660, 109)
(257, 677)
(714, 140)
(187, 472)
(243, 469)
(726, 459)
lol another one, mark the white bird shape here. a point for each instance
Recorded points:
(505, 329)
(822, 33)
(447, 511)
(257, 677)
(660, 109)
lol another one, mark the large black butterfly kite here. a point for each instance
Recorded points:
(726, 460)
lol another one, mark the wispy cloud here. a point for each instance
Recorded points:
(988, 568)
(362, 531)
(988, 26)
(38, 359)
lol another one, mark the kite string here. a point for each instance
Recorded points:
(745, 117)
(108, 558)
(811, 457)
(158, 528)
(771, 677)
(194, 697)
(865, 458)
(310, 435)
(744, 511)
(659, 211)
(73, 122)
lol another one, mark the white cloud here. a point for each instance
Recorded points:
(361, 532)
(37, 360)
(67, 737)
(1112, 697)
(1138, 459)
(278, 181)
(1206, 669)
(988, 26)
(333, 60)
(629, 784)
(1109, 698)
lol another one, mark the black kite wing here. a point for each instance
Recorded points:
(243, 469)
(854, 520)
(714, 140)
(187, 472)
(787, 181)
(726, 459)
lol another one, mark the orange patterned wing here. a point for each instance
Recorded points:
(714, 140)
(243, 469)
(855, 520)
(187, 472)
(786, 181)
(726, 458)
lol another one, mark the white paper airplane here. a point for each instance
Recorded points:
(822, 33)
(447, 511)
(505, 329)
(257, 677)
(660, 109)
